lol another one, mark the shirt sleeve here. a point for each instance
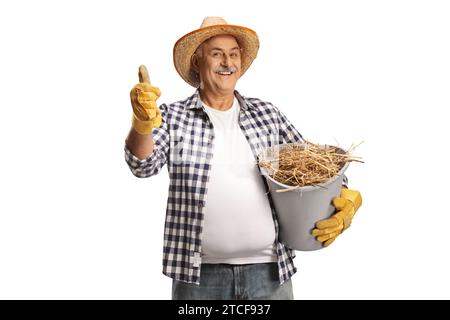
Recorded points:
(143, 168)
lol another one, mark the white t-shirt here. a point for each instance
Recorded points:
(238, 226)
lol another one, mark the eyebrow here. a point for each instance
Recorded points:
(220, 49)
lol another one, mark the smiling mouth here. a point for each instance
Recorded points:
(224, 73)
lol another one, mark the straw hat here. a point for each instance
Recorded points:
(212, 26)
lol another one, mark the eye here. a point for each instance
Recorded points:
(217, 54)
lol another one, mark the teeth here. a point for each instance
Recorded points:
(227, 73)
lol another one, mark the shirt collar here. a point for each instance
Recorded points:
(194, 102)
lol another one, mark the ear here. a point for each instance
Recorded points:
(195, 63)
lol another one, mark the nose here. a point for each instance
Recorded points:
(226, 60)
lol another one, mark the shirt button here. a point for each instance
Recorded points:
(200, 204)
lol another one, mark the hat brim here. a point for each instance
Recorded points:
(185, 47)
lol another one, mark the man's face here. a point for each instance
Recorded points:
(219, 64)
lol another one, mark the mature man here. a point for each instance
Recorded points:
(221, 232)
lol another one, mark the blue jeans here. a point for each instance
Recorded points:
(235, 282)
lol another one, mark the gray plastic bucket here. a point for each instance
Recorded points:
(299, 209)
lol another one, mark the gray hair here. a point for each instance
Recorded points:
(199, 51)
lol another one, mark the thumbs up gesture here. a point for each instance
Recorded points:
(146, 114)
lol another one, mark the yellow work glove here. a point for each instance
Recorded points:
(346, 205)
(146, 114)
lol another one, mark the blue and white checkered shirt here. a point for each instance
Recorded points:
(185, 143)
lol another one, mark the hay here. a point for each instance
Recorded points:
(307, 164)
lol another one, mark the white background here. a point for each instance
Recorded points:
(76, 224)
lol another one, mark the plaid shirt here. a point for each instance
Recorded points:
(185, 143)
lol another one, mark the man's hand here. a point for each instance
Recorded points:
(347, 204)
(146, 114)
